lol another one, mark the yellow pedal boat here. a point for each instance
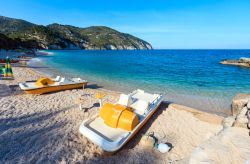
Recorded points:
(117, 123)
(47, 85)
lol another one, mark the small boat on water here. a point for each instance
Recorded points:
(117, 123)
(47, 85)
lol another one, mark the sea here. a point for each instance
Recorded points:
(194, 78)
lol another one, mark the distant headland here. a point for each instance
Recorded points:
(17, 33)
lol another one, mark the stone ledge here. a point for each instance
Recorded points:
(239, 101)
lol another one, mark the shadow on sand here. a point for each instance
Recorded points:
(93, 106)
(7, 90)
(136, 139)
(16, 122)
(4, 90)
(15, 90)
(26, 136)
(93, 86)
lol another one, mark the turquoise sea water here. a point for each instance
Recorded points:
(189, 77)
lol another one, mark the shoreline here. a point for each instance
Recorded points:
(225, 113)
(220, 106)
(94, 84)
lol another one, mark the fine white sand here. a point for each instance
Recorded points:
(44, 128)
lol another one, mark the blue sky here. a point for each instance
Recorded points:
(170, 24)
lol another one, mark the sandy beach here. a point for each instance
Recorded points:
(44, 128)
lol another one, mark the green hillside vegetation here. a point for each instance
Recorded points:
(8, 25)
(56, 36)
(9, 43)
(43, 35)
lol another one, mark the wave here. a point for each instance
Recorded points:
(35, 61)
(46, 52)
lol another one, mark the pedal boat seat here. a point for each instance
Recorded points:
(44, 82)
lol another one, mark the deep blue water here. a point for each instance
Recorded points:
(189, 77)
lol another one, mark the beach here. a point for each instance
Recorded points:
(44, 128)
(162, 82)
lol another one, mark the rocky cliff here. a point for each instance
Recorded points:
(56, 36)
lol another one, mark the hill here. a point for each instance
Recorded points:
(56, 36)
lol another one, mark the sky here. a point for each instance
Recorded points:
(166, 24)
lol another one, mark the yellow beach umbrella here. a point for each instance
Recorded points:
(1, 70)
(8, 70)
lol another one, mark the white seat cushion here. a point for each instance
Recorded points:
(58, 78)
(23, 85)
(62, 79)
(140, 107)
(125, 100)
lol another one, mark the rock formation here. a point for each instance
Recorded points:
(238, 102)
(244, 62)
(232, 144)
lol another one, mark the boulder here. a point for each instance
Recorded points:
(240, 125)
(232, 145)
(248, 104)
(243, 112)
(244, 60)
(228, 122)
(239, 101)
(248, 116)
(243, 120)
